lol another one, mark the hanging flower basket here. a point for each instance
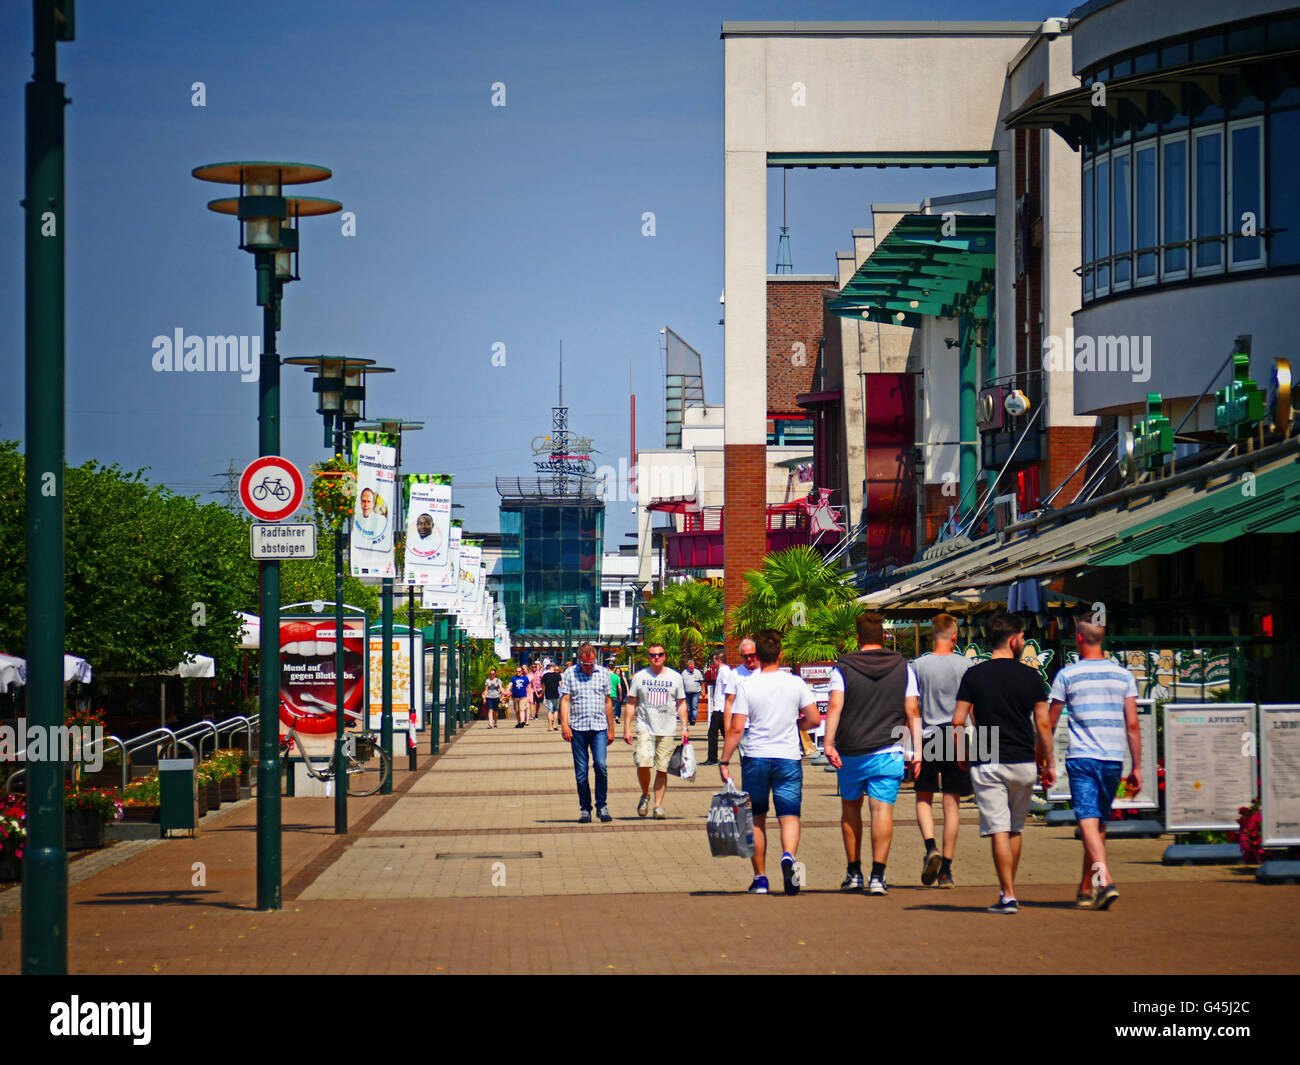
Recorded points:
(334, 490)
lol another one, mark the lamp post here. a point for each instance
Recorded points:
(341, 386)
(45, 861)
(394, 427)
(638, 603)
(264, 213)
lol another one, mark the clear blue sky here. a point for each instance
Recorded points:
(475, 225)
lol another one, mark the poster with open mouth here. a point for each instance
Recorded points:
(307, 695)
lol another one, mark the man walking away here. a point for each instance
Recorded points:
(939, 676)
(615, 690)
(1101, 697)
(871, 707)
(1007, 702)
(770, 708)
(587, 722)
(692, 683)
(519, 696)
(717, 700)
(551, 692)
(657, 703)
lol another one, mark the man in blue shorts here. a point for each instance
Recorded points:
(872, 707)
(1101, 697)
(769, 709)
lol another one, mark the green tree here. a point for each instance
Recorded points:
(785, 592)
(830, 631)
(686, 617)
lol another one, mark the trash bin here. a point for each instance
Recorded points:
(178, 800)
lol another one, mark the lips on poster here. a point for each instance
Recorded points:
(372, 517)
(307, 695)
(428, 534)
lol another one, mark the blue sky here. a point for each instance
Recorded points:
(475, 225)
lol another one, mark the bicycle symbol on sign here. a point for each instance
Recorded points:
(271, 486)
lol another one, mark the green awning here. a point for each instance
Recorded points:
(928, 265)
(1273, 506)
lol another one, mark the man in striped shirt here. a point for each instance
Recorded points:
(1101, 698)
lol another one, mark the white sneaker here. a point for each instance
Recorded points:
(876, 886)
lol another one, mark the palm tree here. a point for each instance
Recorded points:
(830, 632)
(787, 590)
(686, 617)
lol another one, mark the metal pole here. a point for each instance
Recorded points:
(45, 861)
(340, 757)
(435, 710)
(410, 636)
(268, 766)
(386, 720)
(450, 705)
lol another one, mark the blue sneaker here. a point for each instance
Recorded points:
(759, 886)
(790, 875)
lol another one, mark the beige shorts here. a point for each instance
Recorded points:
(1003, 793)
(653, 751)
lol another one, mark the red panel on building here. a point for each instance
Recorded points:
(890, 502)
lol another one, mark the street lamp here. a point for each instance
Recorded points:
(262, 210)
(394, 427)
(340, 385)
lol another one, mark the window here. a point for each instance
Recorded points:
(1101, 174)
(1173, 210)
(1246, 192)
(1087, 231)
(1121, 220)
(1207, 201)
(1145, 212)
(1284, 210)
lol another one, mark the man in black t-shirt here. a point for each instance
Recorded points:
(1009, 706)
(551, 695)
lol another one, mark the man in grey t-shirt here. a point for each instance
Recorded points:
(939, 676)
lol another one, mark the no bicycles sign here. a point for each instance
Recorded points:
(271, 488)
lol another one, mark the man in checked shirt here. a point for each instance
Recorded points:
(587, 722)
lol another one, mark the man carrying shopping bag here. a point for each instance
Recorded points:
(775, 706)
(658, 703)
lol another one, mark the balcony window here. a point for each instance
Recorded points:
(1246, 192)
(1207, 200)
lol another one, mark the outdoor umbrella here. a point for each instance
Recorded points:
(13, 672)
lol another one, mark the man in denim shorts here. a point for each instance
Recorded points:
(872, 706)
(1101, 698)
(769, 709)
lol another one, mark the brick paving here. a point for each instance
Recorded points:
(476, 864)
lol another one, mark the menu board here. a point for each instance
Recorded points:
(1279, 728)
(401, 681)
(1209, 765)
(818, 678)
(1146, 799)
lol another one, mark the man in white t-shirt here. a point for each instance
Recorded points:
(747, 668)
(768, 710)
(659, 704)
(717, 700)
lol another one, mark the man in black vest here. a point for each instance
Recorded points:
(872, 707)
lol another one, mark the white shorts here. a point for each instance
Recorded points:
(1003, 792)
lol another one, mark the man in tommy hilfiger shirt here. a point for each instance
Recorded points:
(659, 701)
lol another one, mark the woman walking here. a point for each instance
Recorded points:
(492, 697)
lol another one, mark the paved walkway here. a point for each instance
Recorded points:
(477, 864)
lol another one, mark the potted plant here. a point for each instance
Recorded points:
(85, 812)
(209, 781)
(334, 490)
(229, 764)
(13, 833)
(141, 802)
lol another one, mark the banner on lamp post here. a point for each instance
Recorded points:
(428, 530)
(444, 594)
(375, 510)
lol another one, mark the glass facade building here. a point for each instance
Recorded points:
(550, 560)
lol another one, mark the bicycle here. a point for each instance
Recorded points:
(271, 486)
(369, 766)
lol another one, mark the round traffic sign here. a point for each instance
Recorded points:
(271, 488)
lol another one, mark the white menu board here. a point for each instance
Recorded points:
(1279, 727)
(1209, 765)
(1149, 797)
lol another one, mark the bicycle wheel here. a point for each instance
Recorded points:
(368, 776)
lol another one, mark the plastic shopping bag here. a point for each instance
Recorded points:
(682, 763)
(731, 824)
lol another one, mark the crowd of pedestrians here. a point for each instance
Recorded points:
(963, 728)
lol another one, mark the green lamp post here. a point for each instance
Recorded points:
(265, 215)
(341, 386)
